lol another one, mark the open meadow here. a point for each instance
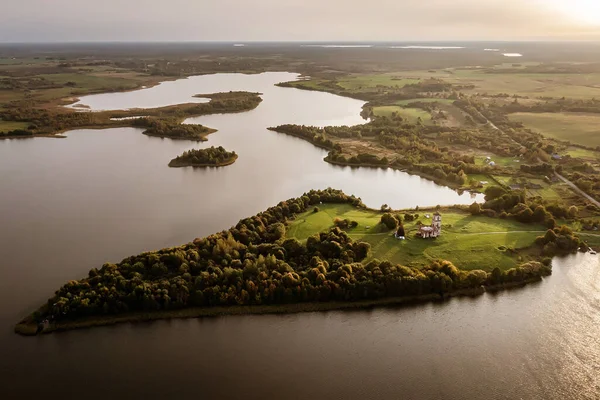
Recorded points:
(578, 128)
(470, 242)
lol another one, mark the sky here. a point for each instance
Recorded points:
(298, 20)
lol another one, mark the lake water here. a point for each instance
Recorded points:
(67, 205)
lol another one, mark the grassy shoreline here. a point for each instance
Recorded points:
(27, 327)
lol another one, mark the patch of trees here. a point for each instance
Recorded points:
(390, 221)
(345, 223)
(17, 133)
(253, 263)
(538, 169)
(212, 156)
(525, 272)
(555, 106)
(559, 241)
(172, 129)
(310, 134)
(514, 204)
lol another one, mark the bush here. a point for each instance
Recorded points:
(573, 212)
(475, 209)
(316, 209)
(389, 221)
(489, 213)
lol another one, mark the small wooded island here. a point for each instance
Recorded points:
(209, 157)
(300, 256)
(172, 129)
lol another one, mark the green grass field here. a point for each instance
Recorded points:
(469, 242)
(6, 126)
(410, 114)
(577, 128)
(423, 100)
(577, 152)
(361, 82)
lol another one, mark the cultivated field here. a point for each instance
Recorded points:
(579, 128)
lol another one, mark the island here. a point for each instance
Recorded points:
(321, 251)
(210, 157)
(172, 129)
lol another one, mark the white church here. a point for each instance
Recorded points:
(434, 230)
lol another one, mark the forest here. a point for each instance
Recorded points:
(254, 264)
(209, 157)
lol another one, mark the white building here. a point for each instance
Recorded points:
(434, 230)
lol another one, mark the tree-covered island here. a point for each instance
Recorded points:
(173, 129)
(209, 157)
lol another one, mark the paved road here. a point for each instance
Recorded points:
(575, 188)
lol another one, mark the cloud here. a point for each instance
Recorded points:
(57, 20)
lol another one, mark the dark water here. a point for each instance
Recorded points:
(69, 205)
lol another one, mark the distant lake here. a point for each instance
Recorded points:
(67, 205)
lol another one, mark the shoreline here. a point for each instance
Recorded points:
(29, 328)
(406, 169)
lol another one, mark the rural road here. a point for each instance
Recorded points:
(575, 188)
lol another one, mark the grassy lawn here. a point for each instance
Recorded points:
(578, 128)
(410, 114)
(6, 126)
(469, 242)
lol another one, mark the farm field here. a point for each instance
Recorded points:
(579, 128)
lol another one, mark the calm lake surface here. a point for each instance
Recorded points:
(67, 205)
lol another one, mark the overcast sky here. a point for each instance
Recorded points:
(302, 20)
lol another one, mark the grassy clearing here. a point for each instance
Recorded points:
(552, 192)
(6, 126)
(410, 114)
(469, 242)
(482, 178)
(577, 152)
(578, 128)
(360, 82)
(423, 100)
(500, 161)
(90, 81)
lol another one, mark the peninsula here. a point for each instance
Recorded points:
(323, 250)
